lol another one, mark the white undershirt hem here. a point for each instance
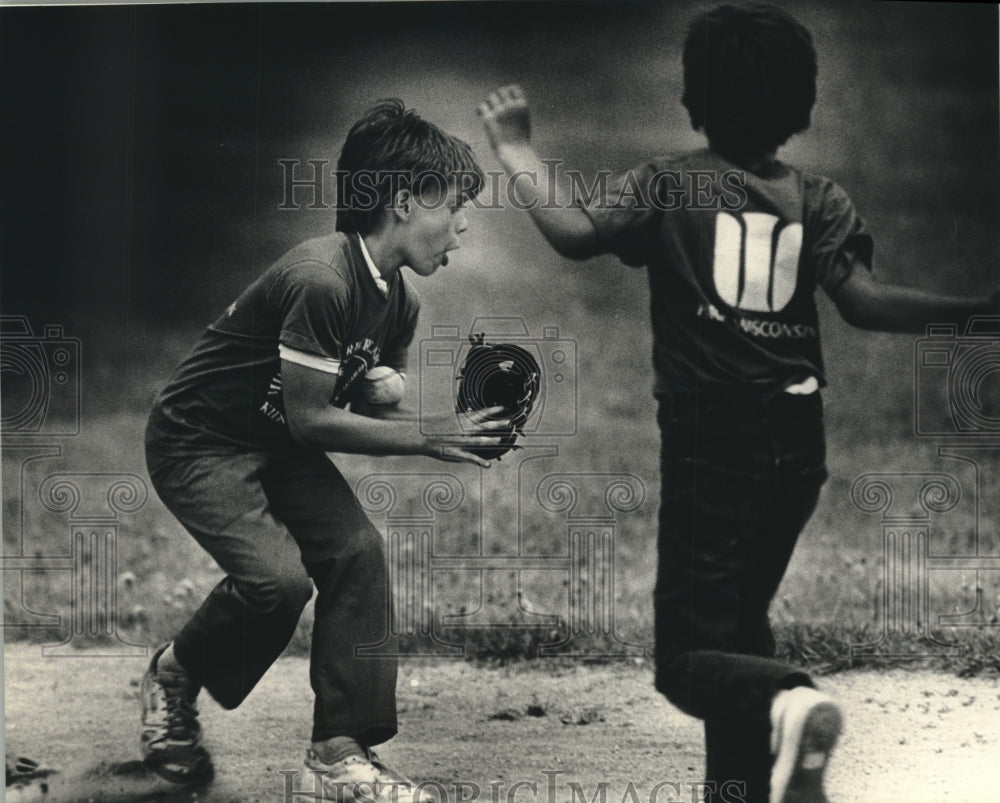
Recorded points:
(804, 388)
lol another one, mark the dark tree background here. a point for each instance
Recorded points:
(140, 145)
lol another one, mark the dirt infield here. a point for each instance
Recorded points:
(522, 734)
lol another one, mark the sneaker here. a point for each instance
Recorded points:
(364, 779)
(170, 729)
(805, 725)
(20, 769)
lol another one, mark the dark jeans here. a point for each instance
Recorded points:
(277, 523)
(741, 476)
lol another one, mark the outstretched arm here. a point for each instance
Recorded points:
(868, 304)
(508, 124)
(315, 423)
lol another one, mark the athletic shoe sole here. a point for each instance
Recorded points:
(805, 733)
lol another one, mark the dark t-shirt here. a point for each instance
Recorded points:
(319, 299)
(734, 259)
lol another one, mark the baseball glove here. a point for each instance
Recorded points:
(499, 375)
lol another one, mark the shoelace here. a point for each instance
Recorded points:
(182, 716)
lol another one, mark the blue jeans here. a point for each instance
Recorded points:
(279, 523)
(741, 475)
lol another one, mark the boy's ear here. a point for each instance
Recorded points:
(402, 205)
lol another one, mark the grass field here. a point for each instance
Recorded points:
(906, 119)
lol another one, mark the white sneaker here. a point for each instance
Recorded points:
(360, 779)
(805, 725)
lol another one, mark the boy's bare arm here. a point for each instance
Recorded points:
(868, 304)
(315, 423)
(507, 120)
(385, 412)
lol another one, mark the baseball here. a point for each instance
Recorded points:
(382, 385)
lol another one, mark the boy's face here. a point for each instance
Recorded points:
(436, 221)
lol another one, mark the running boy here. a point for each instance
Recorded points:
(735, 243)
(236, 450)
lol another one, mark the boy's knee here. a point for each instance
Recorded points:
(295, 589)
(300, 591)
(288, 590)
(667, 673)
(672, 679)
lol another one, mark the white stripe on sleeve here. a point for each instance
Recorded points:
(326, 364)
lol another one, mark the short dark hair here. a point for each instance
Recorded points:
(749, 78)
(393, 148)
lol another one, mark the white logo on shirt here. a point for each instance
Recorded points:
(753, 269)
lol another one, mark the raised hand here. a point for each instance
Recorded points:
(506, 117)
